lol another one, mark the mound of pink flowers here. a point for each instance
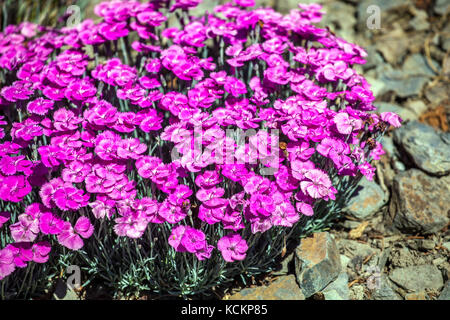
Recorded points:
(128, 120)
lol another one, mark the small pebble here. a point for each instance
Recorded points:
(427, 244)
(439, 261)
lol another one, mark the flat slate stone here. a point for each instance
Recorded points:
(354, 249)
(317, 263)
(428, 148)
(403, 84)
(420, 203)
(416, 106)
(445, 293)
(418, 278)
(416, 64)
(446, 245)
(284, 288)
(393, 46)
(338, 289)
(385, 291)
(367, 200)
(441, 6)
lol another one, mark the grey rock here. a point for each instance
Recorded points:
(405, 257)
(393, 46)
(376, 85)
(446, 245)
(416, 106)
(367, 200)
(415, 42)
(338, 289)
(351, 224)
(413, 244)
(404, 113)
(438, 93)
(354, 249)
(418, 278)
(446, 44)
(416, 64)
(357, 252)
(317, 263)
(420, 203)
(441, 6)
(399, 166)
(344, 261)
(385, 291)
(402, 84)
(373, 58)
(342, 16)
(438, 262)
(284, 288)
(383, 258)
(419, 22)
(426, 244)
(445, 38)
(429, 149)
(445, 293)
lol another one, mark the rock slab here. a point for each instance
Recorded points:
(367, 200)
(338, 289)
(317, 263)
(354, 249)
(385, 291)
(420, 203)
(402, 83)
(427, 148)
(445, 294)
(284, 288)
(418, 278)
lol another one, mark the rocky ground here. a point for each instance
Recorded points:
(394, 242)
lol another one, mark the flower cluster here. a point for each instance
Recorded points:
(143, 124)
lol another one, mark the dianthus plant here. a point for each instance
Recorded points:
(167, 152)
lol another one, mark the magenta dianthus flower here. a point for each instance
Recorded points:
(7, 265)
(41, 251)
(72, 237)
(232, 247)
(50, 224)
(235, 87)
(14, 188)
(25, 230)
(40, 106)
